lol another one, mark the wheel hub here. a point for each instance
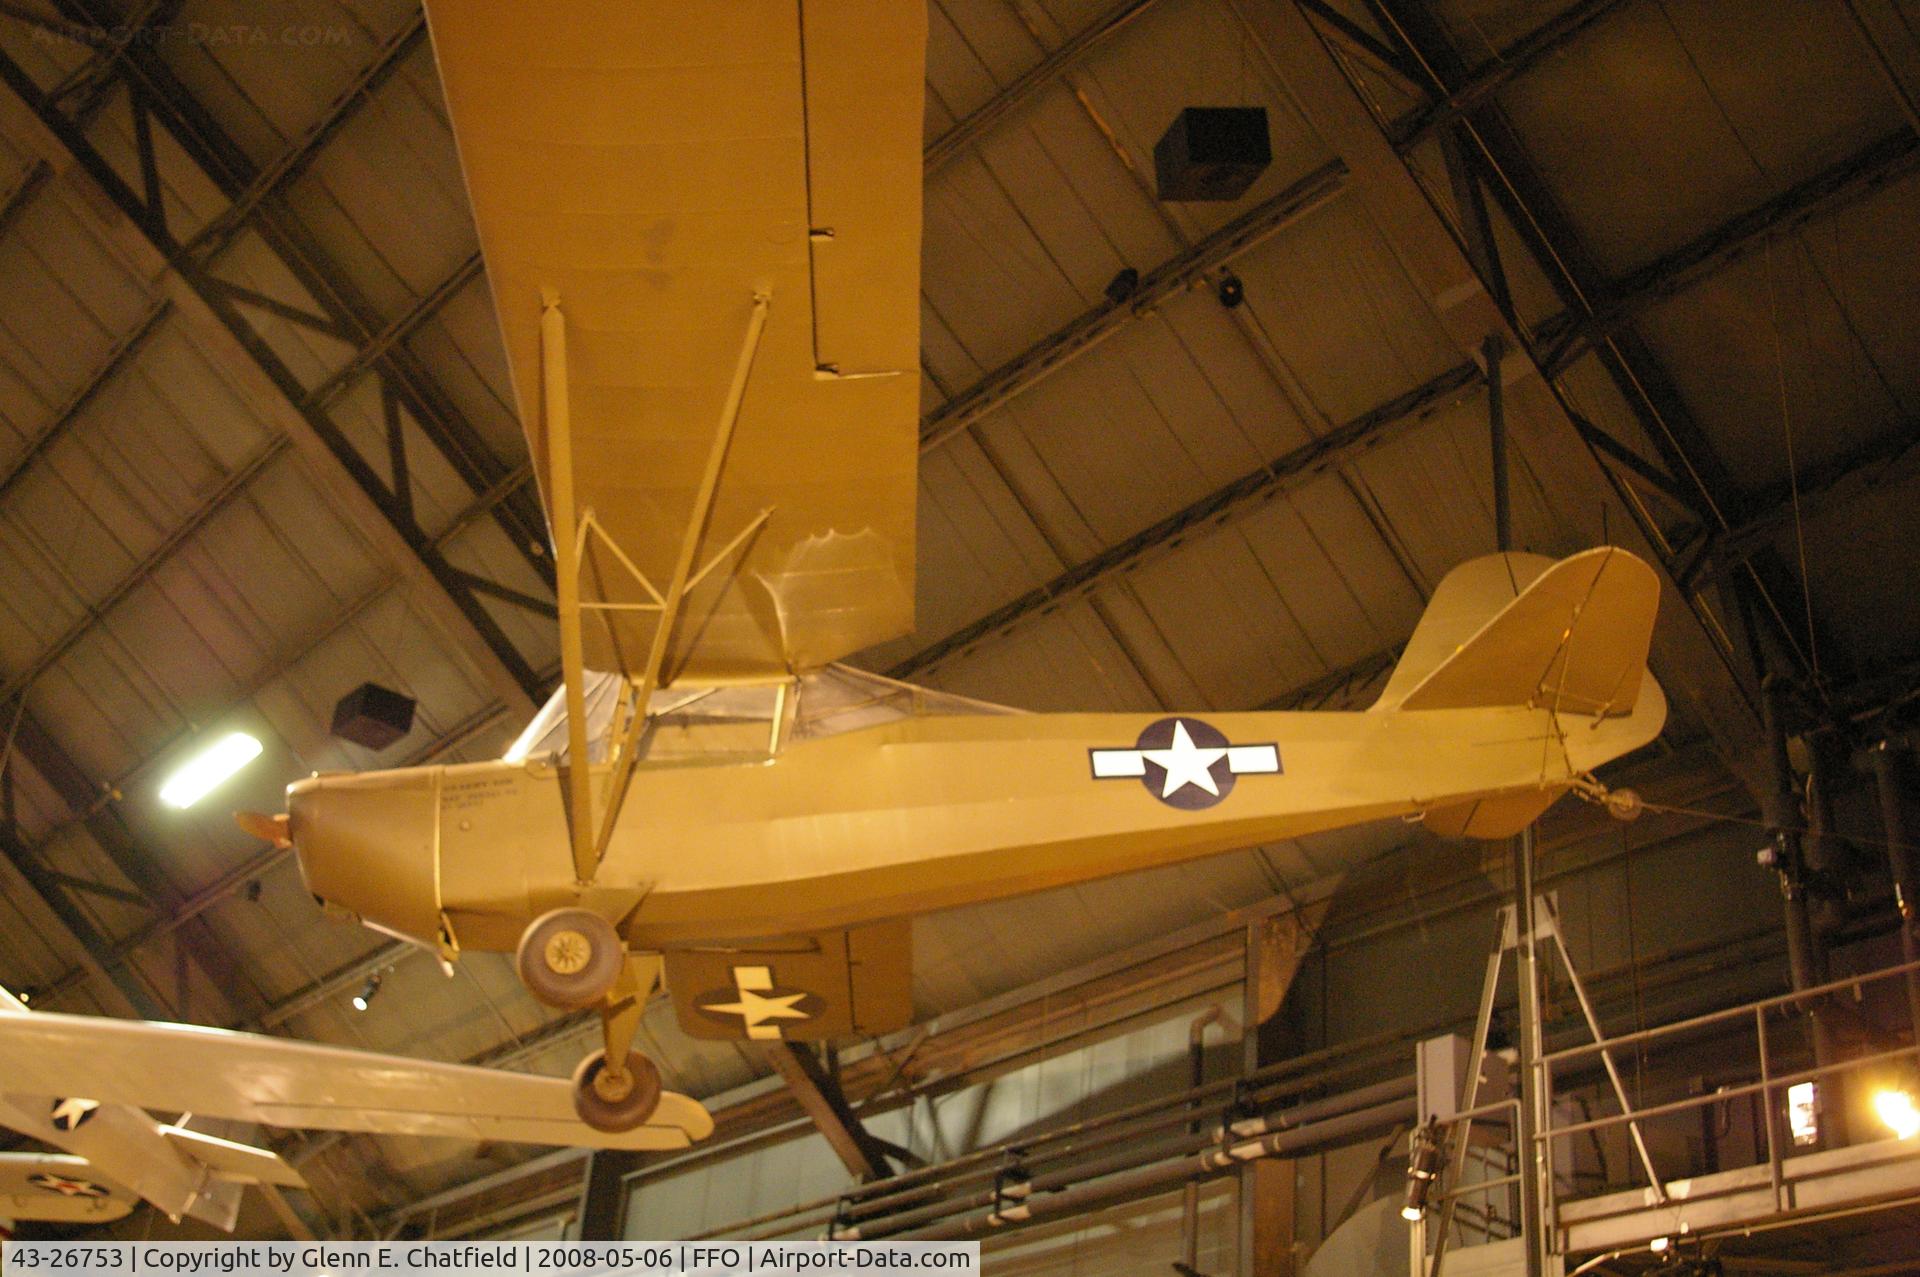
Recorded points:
(613, 1088)
(567, 952)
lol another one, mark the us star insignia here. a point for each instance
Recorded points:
(1185, 763)
(761, 1007)
(71, 1114)
(65, 1187)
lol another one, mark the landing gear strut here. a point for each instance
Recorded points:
(611, 1097)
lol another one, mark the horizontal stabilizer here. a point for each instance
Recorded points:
(237, 1163)
(1573, 638)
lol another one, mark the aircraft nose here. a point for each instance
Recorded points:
(370, 844)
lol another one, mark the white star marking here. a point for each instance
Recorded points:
(755, 1008)
(1186, 763)
(66, 1187)
(69, 1113)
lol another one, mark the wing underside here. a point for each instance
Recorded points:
(59, 1188)
(278, 1082)
(652, 169)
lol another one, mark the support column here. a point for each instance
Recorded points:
(1893, 770)
(1491, 351)
(603, 1195)
(1780, 805)
(1535, 1187)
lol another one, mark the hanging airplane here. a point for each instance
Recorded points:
(83, 1084)
(701, 226)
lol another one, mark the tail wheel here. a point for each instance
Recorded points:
(569, 958)
(615, 1106)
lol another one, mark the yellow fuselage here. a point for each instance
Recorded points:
(895, 820)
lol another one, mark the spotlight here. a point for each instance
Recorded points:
(1659, 1245)
(362, 999)
(1231, 291)
(1423, 1167)
(1896, 1108)
(202, 774)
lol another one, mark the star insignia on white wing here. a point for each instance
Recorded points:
(1186, 763)
(70, 1113)
(66, 1187)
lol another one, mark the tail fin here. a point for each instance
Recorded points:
(1520, 629)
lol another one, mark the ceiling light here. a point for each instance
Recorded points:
(201, 774)
(367, 990)
(1659, 1245)
(1897, 1110)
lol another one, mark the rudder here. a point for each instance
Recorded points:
(1519, 629)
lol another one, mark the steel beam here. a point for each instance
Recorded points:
(99, 959)
(399, 330)
(973, 126)
(117, 360)
(335, 442)
(820, 1098)
(1485, 82)
(1337, 448)
(231, 488)
(1883, 459)
(269, 181)
(1170, 278)
(227, 165)
(1572, 336)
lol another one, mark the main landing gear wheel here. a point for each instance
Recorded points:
(569, 958)
(615, 1105)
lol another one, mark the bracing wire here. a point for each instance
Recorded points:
(1793, 467)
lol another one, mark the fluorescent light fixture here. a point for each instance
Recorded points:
(1897, 1110)
(1803, 1113)
(202, 774)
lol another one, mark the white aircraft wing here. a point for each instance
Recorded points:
(279, 1082)
(59, 1188)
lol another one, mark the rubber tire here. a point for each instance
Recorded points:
(604, 955)
(631, 1110)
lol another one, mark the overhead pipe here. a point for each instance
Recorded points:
(1008, 1215)
(1264, 1087)
(1396, 1094)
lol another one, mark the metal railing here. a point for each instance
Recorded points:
(1770, 1086)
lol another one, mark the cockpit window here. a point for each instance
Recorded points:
(731, 721)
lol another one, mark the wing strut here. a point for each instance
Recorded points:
(569, 537)
(555, 411)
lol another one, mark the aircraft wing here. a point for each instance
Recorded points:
(59, 1188)
(279, 1082)
(654, 167)
(827, 984)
